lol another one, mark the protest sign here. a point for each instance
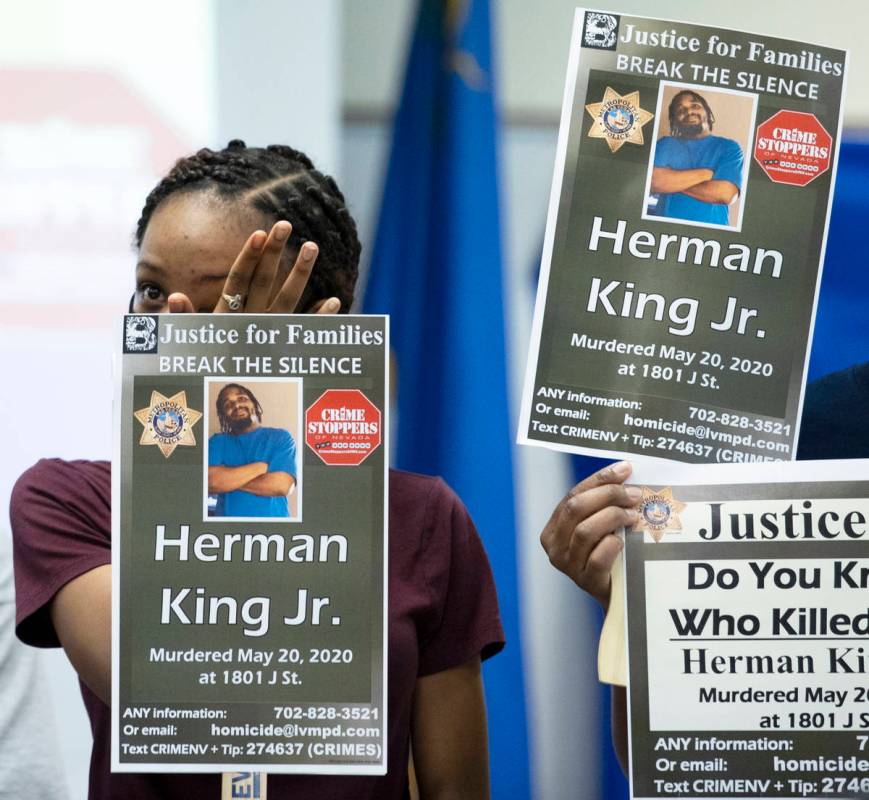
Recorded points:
(249, 544)
(748, 623)
(686, 229)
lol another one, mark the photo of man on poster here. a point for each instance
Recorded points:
(251, 467)
(696, 174)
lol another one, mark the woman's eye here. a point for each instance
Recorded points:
(150, 292)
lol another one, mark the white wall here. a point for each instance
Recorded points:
(278, 70)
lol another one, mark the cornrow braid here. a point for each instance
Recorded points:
(281, 183)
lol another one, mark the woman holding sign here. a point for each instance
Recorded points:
(241, 229)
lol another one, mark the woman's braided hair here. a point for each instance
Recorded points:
(282, 183)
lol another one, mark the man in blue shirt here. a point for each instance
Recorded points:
(696, 175)
(252, 468)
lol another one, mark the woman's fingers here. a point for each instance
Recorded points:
(596, 576)
(590, 533)
(234, 293)
(288, 296)
(579, 536)
(260, 286)
(179, 304)
(251, 280)
(614, 473)
(330, 306)
(587, 520)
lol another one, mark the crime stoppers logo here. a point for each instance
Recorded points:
(343, 427)
(659, 513)
(168, 422)
(618, 119)
(600, 31)
(793, 147)
(140, 334)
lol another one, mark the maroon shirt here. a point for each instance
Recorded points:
(442, 611)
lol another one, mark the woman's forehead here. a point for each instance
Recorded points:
(197, 230)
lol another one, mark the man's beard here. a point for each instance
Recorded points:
(687, 130)
(240, 425)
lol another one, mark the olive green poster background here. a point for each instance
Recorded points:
(743, 387)
(319, 677)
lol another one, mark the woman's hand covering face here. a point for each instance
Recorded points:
(254, 278)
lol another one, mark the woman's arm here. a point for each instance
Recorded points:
(449, 735)
(81, 613)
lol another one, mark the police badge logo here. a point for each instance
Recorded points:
(140, 334)
(168, 422)
(618, 119)
(659, 513)
(600, 31)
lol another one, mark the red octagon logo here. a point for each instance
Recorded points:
(793, 147)
(343, 427)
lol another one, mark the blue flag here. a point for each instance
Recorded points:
(436, 269)
(842, 325)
